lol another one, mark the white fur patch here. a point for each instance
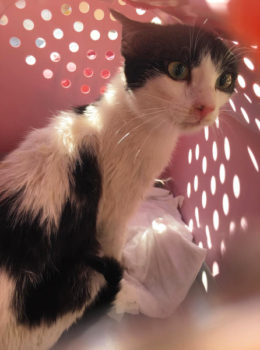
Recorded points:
(41, 167)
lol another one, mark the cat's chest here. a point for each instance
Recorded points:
(129, 167)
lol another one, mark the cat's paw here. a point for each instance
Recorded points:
(125, 302)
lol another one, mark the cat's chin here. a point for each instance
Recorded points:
(189, 127)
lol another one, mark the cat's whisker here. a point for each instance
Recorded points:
(191, 41)
(156, 97)
(133, 120)
(225, 109)
(226, 124)
(130, 132)
(219, 129)
(238, 53)
(170, 106)
(140, 117)
(197, 39)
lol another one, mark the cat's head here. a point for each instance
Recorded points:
(186, 71)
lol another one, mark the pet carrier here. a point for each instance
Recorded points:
(62, 53)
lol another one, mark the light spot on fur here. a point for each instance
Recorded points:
(64, 130)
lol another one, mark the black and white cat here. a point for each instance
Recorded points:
(68, 190)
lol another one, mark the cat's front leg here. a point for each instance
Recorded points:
(112, 239)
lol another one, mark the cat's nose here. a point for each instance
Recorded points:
(203, 110)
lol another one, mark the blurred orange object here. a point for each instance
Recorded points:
(245, 19)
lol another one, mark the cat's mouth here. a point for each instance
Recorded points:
(192, 124)
(195, 123)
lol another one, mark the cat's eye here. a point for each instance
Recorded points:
(178, 71)
(224, 82)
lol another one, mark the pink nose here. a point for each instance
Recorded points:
(203, 110)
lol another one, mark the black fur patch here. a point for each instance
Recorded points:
(164, 44)
(113, 273)
(52, 273)
(79, 109)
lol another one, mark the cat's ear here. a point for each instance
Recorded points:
(131, 30)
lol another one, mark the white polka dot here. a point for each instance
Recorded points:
(112, 35)
(222, 173)
(236, 186)
(3, 20)
(188, 189)
(71, 66)
(190, 156)
(197, 217)
(58, 33)
(225, 204)
(256, 89)
(249, 63)
(46, 15)
(47, 73)
(95, 35)
(216, 220)
(28, 24)
(200, 245)
(204, 165)
(208, 236)
(21, 4)
(232, 227)
(248, 98)
(245, 115)
(227, 148)
(253, 159)
(206, 133)
(78, 26)
(15, 42)
(215, 150)
(196, 183)
(140, 12)
(217, 122)
(156, 20)
(223, 247)
(191, 225)
(215, 269)
(30, 60)
(244, 223)
(197, 151)
(257, 121)
(204, 280)
(232, 105)
(213, 185)
(55, 57)
(241, 81)
(74, 47)
(40, 43)
(204, 199)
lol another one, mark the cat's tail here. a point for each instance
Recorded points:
(112, 271)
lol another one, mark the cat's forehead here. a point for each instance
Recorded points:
(181, 42)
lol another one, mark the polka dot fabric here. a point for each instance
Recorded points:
(57, 54)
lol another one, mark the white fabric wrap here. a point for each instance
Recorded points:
(160, 259)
